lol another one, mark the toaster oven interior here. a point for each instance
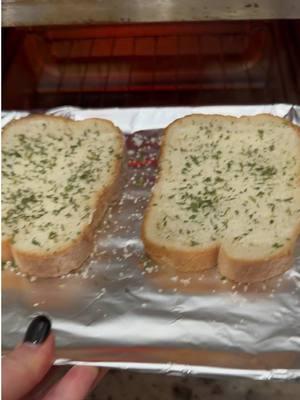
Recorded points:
(152, 64)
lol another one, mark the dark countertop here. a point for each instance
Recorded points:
(133, 386)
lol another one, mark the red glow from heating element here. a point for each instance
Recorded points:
(138, 64)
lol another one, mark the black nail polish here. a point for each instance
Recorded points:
(38, 330)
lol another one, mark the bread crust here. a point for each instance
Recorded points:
(193, 259)
(184, 260)
(6, 253)
(68, 257)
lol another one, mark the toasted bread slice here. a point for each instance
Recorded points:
(59, 176)
(227, 194)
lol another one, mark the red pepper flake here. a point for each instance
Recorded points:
(142, 163)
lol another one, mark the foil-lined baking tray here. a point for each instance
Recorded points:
(122, 311)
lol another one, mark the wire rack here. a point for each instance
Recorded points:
(158, 64)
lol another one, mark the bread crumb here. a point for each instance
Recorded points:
(149, 270)
(186, 282)
(138, 140)
(127, 255)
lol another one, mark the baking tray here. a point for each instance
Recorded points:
(121, 311)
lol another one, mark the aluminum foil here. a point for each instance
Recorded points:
(122, 311)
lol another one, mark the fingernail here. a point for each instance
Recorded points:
(38, 330)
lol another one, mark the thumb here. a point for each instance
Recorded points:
(25, 367)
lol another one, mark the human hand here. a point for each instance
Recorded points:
(26, 367)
